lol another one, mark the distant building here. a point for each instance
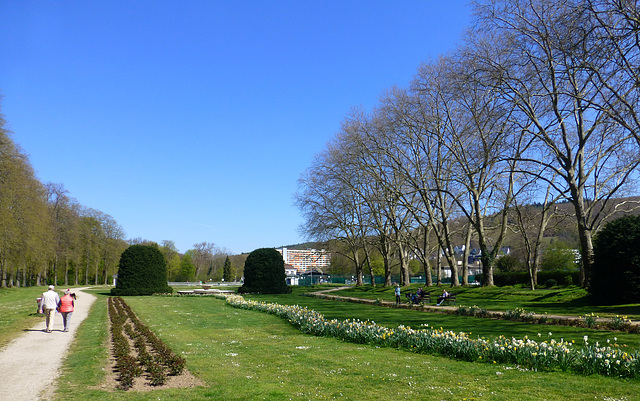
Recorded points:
(291, 274)
(304, 260)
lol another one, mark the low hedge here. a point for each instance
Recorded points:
(556, 277)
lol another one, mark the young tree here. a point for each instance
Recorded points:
(170, 252)
(227, 276)
(187, 268)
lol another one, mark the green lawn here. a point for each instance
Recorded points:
(561, 301)
(247, 355)
(479, 327)
(18, 311)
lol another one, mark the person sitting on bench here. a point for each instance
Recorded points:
(442, 297)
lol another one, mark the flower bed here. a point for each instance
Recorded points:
(158, 363)
(609, 360)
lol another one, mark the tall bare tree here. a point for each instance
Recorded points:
(545, 58)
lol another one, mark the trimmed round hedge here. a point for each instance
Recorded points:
(616, 272)
(264, 273)
(142, 271)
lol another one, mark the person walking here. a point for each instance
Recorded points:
(65, 306)
(397, 294)
(48, 304)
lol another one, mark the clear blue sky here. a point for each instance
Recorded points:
(191, 121)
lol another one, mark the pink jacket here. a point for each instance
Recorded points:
(66, 304)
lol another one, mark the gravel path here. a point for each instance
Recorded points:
(30, 364)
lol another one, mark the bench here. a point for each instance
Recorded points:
(449, 300)
(426, 298)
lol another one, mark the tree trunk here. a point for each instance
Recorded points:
(97, 273)
(3, 284)
(356, 260)
(425, 263)
(465, 256)
(438, 268)
(66, 272)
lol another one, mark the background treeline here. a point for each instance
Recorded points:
(205, 261)
(531, 123)
(47, 237)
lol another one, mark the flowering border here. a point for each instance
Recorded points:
(609, 360)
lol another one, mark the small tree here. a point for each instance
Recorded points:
(226, 271)
(559, 257)
(142, 271)
(187, 268)
(264, 273)
(616, 274)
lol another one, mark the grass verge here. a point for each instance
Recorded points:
(18, 311)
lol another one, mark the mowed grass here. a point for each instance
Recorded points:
(247, 355)
(478, 327)
(560, 301)
(18, 312)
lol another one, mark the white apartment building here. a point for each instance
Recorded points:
(304, 260)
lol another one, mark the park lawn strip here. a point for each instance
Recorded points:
(245, 355)
(18, 311)
(571, 301)
(477, 327)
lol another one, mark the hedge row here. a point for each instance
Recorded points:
(545, 278)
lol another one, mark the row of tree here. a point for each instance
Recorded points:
(205, 261)
(47, 237)
(537, 106)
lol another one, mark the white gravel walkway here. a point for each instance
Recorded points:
(30, 364)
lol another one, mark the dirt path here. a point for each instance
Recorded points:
(30, 364)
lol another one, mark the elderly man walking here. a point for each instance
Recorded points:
(48, 305)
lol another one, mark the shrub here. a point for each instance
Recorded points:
(502, 279)
(615, 277)
(551, 283)
(558, 257)
(264, 273)
(142, 271)
(508, 263)
(567, 281)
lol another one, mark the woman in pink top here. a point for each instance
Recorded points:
(65, 307)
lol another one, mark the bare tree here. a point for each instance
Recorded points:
(332, 209)
(203, 253)
(544, 57)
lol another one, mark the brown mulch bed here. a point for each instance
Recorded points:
(141, 383)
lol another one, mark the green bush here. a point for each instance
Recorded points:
(264, 273)
(514, 278)
(142, 271)
(508, 263)
(567, 281)
(615, 277)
